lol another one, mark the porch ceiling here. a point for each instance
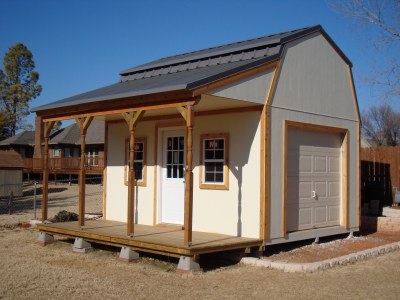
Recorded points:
(207, 103)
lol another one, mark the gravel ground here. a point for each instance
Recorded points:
(28, 271)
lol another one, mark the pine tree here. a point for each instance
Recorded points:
(18, 85)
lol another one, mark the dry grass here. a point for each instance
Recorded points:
(31, 271)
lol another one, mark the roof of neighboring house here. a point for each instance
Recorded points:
(71, 134)
(10, 159)
(192, 70)
(23, 138)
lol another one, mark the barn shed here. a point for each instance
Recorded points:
(11, 166)
(237, 146)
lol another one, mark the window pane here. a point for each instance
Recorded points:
(209, 154)
(175, 172)
(219, 177)
(181, 155)
(169, 157)
(169, 143)
(175, 146)
(209, 166)
(209, 177)
(219, 154)
(169, 171)
(138, 155)
(219, 167)
(181, 171)
(175, 161)
(181, 143)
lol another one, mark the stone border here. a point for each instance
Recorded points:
(320, 265)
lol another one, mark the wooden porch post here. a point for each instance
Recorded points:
(83, 124)
(131, 118)
(189, 176)
(45, 197)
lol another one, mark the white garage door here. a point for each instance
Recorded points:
(313, 179)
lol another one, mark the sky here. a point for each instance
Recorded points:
(83, 45)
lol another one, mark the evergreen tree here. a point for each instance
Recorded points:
(18, 85)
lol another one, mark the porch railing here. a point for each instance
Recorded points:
(64, 163)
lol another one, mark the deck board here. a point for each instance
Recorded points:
(154, 239)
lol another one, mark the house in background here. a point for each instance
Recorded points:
(64, 150)
(238, 146)
(23, 143)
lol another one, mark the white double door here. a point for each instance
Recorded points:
(171, 202)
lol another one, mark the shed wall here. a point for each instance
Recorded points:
(10, 181)
(234, 211)
(312, 87)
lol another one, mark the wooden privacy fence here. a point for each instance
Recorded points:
(380, 174)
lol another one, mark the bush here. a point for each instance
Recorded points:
(65, 216)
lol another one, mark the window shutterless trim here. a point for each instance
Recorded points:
(142, 182)
(214, 186)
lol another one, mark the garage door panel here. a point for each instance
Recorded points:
(334, 189)
(320, 214)
(320, 164)
(314, 164)
(320, 189)
(333, 213)
(305, 216)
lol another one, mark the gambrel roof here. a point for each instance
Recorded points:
(192, 70)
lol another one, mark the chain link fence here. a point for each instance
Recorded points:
(18, 206)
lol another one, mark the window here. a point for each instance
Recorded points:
(139, 163)
(56, 152)
(92, 156)
(214, 157)
(175, 157)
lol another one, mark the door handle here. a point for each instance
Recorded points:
(314, 195)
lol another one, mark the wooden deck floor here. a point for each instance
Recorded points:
(153, 239)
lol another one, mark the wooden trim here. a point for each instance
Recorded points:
(265, 152)
(214, 186)
(104, 112)
(171, 226)
(233, 78)
(105, 171)
(274, 82)
(157, 128)
(285, 186)
(182, 111)
(142, 182)
(188, 216)
(315, 127)
(353, 91)
(45, 197)
(345, 179)
(263, 175)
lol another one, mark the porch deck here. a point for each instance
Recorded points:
(153, 239)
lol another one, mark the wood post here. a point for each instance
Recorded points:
(131, 119)
(189, 177)
(83, 124)
(45, 196)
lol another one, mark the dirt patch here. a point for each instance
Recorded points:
(331, 248)
(29, 271)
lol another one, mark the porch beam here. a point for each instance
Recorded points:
(83, 124)
(182, 111)
(45, 197)
(189, 176)
(131, 119)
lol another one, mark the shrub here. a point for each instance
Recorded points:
(65, 216)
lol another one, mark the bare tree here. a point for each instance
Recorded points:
(382, 17)
(381, 125)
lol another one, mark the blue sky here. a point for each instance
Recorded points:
(82, 45)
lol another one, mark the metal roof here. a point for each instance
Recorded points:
(191, 70)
